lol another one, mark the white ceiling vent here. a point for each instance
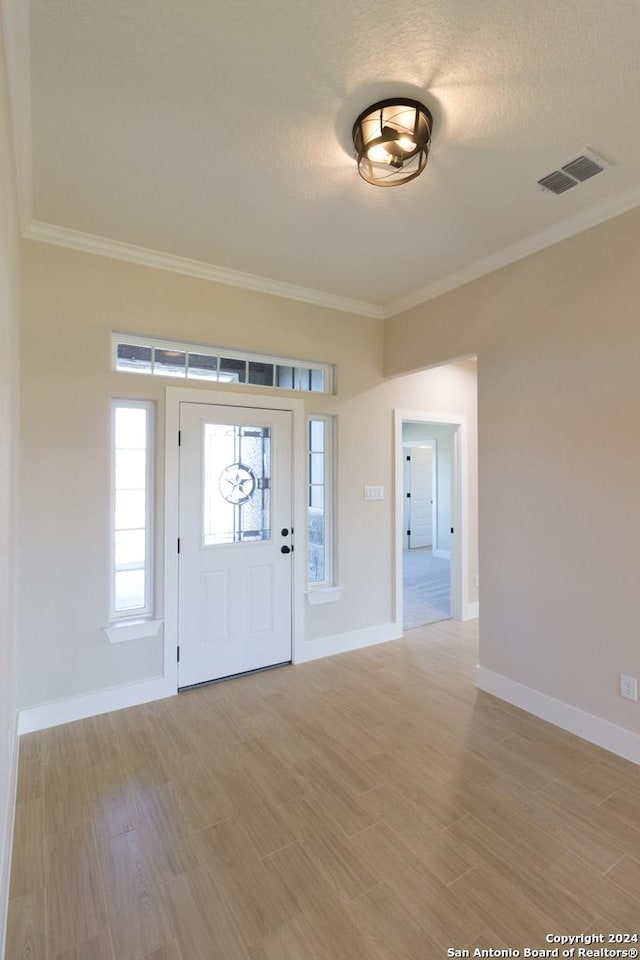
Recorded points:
(575, 171)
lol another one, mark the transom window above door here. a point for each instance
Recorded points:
(168, 358)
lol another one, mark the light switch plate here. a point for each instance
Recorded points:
(374, 493)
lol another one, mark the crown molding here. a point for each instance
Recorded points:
(15, 28)
(598, 213)
(90, 243)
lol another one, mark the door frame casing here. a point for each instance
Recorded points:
(460, 609)
(174, 396)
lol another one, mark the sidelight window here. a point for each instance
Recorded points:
(132, 455)
(320, 501)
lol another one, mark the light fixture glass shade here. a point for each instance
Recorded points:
(392, 140)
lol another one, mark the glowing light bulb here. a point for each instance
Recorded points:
(407, 145)
(379, 154)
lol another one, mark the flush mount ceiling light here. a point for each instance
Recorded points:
(392, 140)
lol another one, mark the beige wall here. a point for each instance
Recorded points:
(72, 301)
(9, 290)
(558, 343)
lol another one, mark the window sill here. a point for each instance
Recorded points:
(120, 630)
(317, 595)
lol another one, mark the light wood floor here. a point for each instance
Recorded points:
(371, 806)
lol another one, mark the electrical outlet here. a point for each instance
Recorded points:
(628, 687)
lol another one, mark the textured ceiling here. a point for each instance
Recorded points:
(220, 132)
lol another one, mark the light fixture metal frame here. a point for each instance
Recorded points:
(420, 135)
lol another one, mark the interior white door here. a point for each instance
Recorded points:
(235, 560)
(421, 489)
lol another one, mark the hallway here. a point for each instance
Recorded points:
(426, 587)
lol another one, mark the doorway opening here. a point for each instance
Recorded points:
(436, 574)
(427, 521)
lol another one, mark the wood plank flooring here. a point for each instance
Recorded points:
(371, 806)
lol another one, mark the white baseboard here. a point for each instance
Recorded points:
(443, 554)
(471, 611)
(6, 840)
(625, 743)
(129, 695)
(92, 704)
(343, 642)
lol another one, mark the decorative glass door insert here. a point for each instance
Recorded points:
(237, 483)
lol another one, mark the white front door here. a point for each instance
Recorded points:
(235, 561)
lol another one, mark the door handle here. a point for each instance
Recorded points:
(284, 532)
(285, 549)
